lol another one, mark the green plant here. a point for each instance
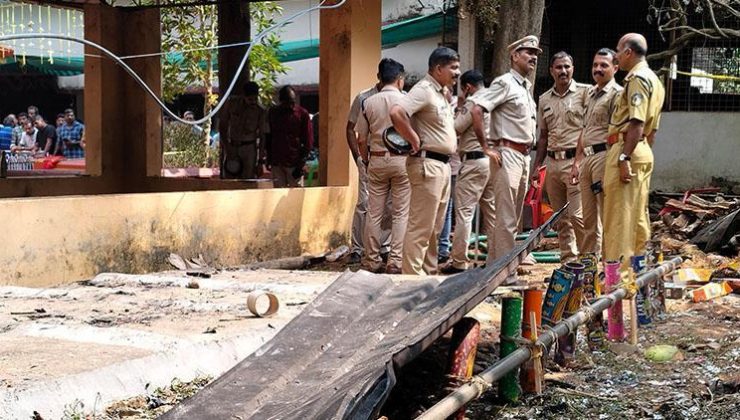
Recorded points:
(182, 147)
(264, 62)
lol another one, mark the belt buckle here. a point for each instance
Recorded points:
(588, 151)
(560, 155)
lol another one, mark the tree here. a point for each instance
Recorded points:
(192, 30)
(506, 21)
(683, 22)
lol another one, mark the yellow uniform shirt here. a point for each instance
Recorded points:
(375, 117)
(642, 100)
(468, 141)
(431, 116)
(561, 116)
(600, 104)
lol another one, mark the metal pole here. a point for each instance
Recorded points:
(479, 383)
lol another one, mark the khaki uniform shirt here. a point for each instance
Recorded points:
(561, 116)
(247, 122)
(356, 107)
(600, 104)
(513, 111)
(641, 99)
(375, 117)
(431, 116)
(468, 141)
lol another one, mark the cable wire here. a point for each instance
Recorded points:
(146, 87)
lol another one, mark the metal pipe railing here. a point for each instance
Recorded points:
(475, 387)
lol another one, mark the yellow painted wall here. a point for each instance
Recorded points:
(56, 240)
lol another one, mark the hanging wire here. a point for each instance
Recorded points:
(146, 87)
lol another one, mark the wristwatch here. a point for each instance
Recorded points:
(623, 157)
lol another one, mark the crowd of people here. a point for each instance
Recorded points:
(30, 133)
(595, 141)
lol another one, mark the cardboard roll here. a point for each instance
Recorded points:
(262, 304)
(395, 143)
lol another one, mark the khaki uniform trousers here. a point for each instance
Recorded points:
(282, 176)
(474, 186)
(430, 192)
(386, 178)
(626, 222)
(360, 215)
(560, 191)
(510, 187)
(591, 172)
(247, 153)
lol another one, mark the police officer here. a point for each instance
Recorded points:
(360, 215)
(588, 167)
(246, 123)
(513, 127)
(432, 138)
(629, 160)
(386, 172)
(560, 117)
(472, 187)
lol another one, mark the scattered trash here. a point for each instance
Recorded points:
(685, 276)
(192, 284)
(337, 253)
(178, 262)
(710, 291)
(210, 330)
(663, 353)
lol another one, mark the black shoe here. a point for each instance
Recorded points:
(443, 259)
(384, 256)
(450, 269)
(354, 258)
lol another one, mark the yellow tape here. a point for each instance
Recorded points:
(724, 77)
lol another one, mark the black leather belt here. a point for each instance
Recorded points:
(473, 155)
(596, 148)
(432, 155)
(562, 154)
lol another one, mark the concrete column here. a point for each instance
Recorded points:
(349, 54)
(467, 42)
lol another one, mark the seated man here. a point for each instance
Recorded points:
(27, 142)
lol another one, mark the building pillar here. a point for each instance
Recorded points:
(467, 42)
(349, 53)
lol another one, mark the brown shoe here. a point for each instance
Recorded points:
(392, 269)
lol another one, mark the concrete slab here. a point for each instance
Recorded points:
(105, 339)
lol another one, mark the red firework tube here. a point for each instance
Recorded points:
(463, 348)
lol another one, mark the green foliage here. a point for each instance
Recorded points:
(264, 64)
(727, 63)
(183, 147)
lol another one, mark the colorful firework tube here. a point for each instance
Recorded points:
(463, 348)
(596, 337)
(615, 319)
(556, 296)
(511, 329)
(642, 298)
(567, 344)
(532, 303)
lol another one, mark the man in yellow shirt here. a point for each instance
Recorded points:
(629, 161)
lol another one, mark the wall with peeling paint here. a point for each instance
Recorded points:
(692, 147)
(58, 240)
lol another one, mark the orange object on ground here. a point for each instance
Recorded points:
(710, 291)
(532, 304)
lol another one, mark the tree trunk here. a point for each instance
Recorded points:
(517, 19)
